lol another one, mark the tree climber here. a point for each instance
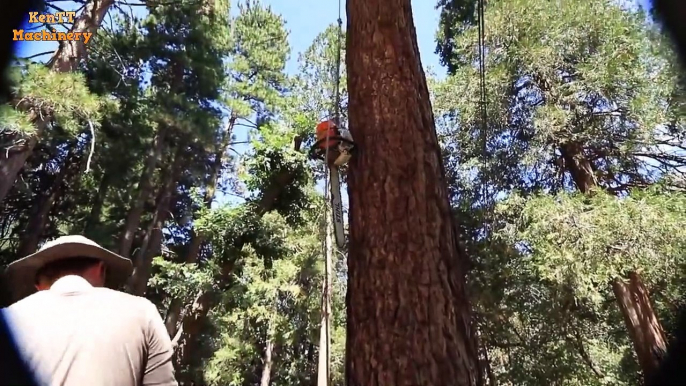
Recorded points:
(338, 141)
(334, 145)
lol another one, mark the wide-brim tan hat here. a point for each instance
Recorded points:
(21, 274)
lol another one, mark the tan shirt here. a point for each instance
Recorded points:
(77, 335)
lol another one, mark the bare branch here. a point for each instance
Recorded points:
(36, 55)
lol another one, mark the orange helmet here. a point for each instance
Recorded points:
(325, 128)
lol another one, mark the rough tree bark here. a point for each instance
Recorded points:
(578, 166)
(408, 314)
(70, 53)
(644, 328)
(65, 59)
(137, 205)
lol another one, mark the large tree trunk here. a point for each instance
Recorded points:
(138, 282)
(133, 218)
(408, 314)
(644, 328)
(70, 53)
(65, 59)
(578, 166)
(32, 235)
(173, 316)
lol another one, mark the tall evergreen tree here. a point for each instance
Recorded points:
(406, 277)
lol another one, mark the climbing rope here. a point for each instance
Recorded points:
(337, 74)
(327, 194)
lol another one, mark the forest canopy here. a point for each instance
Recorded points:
(179, 139)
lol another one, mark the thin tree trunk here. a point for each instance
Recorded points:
(93, 219)
(65, 59)
(577, 342)
(138, 282)
(267, 362)
(152, 241)
(32, 235)
(486, 363)
(408, 313)
(173, 317)
(323, 370)
(642, 324)
(137, 204)
(185, 341)
(174, 312)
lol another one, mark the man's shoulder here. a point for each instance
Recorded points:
(105, 295)
(133, 300)
(104, 291)
(29, 301)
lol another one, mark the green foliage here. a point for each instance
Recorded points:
(549, 303)
(179, 280)
(273, 158)
(456, 16)
(600, 79)
(258, 60)
(275, 302)
(14, 121)
(62, 97)
(586, 242)
(590, 76)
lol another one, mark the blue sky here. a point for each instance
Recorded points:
(307, 18)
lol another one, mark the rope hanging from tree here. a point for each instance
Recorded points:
(330, 194)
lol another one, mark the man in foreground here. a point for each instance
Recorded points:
(73, 331)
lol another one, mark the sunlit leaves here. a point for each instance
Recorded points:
(64, 98)
(592, 73)
(257, 60)
(586, 242)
